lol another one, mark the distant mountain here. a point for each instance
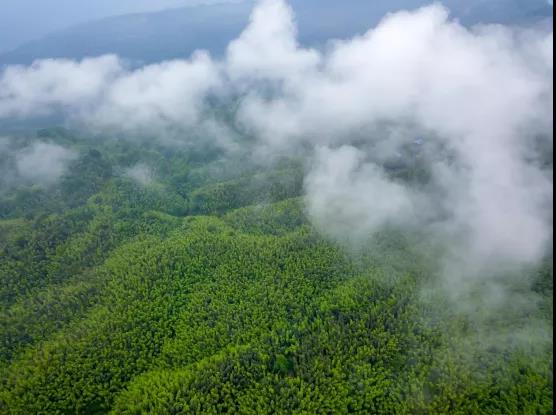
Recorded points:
(142, 37)
(152, 37)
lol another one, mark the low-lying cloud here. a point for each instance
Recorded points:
(39, 163)
(43, 163)
(349, 198)
(54, 85)
(141, 174)
(482, 95)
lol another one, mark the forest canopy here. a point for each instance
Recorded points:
(363, 229)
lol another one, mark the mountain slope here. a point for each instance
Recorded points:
(152, 37)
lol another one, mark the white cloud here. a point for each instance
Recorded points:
(140, 173)
(54, 84)
(157, 96)
(43, 163)
(268, 49)
(477, 91)
(350, 198)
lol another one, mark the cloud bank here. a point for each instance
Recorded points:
(482, 96)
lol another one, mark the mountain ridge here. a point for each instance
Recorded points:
(144, 38)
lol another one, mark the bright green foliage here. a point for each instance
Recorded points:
(269, 219)
(222, 197)
(207, 291)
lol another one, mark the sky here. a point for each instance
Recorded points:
(25, 20)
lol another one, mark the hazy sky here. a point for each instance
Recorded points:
(25, 20)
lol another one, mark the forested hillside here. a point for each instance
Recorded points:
(148, 278)
(307, 208)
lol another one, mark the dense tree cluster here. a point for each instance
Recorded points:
(206, 291)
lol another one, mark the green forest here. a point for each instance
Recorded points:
(196, 284)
